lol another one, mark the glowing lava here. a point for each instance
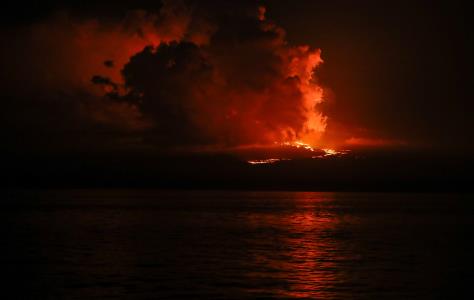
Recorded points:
(327, 152)
(266, 161)
(299, 146)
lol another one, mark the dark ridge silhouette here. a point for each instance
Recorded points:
(358, 171)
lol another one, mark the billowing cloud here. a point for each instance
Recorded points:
(245, 85)
(47, 70)
(185, 75)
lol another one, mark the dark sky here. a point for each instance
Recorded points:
(394, 71)
(399, 68)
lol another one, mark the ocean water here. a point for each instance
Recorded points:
(143, 244)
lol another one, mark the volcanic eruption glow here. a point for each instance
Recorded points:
(239, 83)
(265, 161)
(298, 149)
(183, 78)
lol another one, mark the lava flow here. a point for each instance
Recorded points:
(292, 150)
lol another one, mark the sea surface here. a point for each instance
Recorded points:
(146, 244)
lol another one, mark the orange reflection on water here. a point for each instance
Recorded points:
(304, 253)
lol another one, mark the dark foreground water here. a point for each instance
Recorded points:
(120, 244)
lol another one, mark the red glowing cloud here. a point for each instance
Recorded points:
(242, 85)
(176, 77)
(373, 142)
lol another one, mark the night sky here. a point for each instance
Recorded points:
(398, 69)
(89, 86)
(236, 149)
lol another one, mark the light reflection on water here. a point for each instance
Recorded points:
(236, 245)
(305, 255)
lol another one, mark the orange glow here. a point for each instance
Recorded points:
(333, 152)
(265, 161)
(373, 142)
(326, 151)
(303, 150)
(260, 91)
(303, 63)
(307, 255)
